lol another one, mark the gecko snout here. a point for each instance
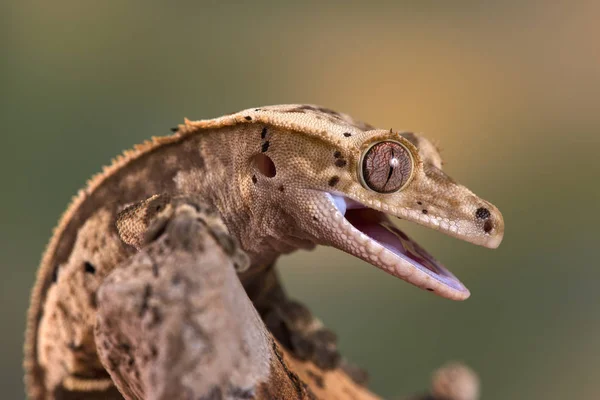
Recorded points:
(489, 219)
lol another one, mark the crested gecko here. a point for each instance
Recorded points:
(282, 178)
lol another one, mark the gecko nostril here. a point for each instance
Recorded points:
(488, 226)
(482, 213)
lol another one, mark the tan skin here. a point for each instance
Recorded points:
(282, 178)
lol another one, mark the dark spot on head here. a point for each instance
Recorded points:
(281, 188)
(487, 227)
(265, 165)
(89, 267)
(315, 218)
(158, 208)
(254, 179)
(174, 130)
(257, 109)
(340, 162)
(248, 118)
(430, 289)
(420, 203)
(334, 180)
(263, 133)
(482, 213)
(337, 154)
(425, 211)
(265, 146)
(347, 134)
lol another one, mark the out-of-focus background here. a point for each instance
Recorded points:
(509, 90)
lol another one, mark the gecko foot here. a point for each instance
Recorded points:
(297, 329)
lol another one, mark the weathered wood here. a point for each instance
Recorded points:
(174, 322)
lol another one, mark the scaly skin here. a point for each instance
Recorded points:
(281, 178)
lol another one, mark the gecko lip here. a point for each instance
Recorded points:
(376, 240)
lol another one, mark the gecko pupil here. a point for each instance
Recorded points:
(386, 167)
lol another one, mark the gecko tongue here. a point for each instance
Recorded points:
(378, 227)
(409, 255)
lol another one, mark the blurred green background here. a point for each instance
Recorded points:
(510, 91)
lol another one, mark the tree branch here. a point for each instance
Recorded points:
(174, 321)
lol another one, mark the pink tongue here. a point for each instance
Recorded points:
(377, 226)
(402, 244)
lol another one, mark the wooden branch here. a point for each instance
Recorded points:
(174, 322)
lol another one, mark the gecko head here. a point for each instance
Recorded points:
(401, 176)
(342, 190)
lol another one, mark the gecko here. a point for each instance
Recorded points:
(282, 178)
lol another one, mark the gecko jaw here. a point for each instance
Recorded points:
(369, 235)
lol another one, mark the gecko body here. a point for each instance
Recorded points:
(282, 178)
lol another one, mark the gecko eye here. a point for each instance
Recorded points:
(386, 167)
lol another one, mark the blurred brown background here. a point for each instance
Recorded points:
(510, 91)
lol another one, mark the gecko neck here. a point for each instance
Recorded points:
(229, 181)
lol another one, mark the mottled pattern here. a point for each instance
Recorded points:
(66, 347)
(59, 339)
(313, 150)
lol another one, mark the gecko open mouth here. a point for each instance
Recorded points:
(372, 237)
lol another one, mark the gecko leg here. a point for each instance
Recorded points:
(293, 324)
(289, 321)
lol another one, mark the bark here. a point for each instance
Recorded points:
(174, 322)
